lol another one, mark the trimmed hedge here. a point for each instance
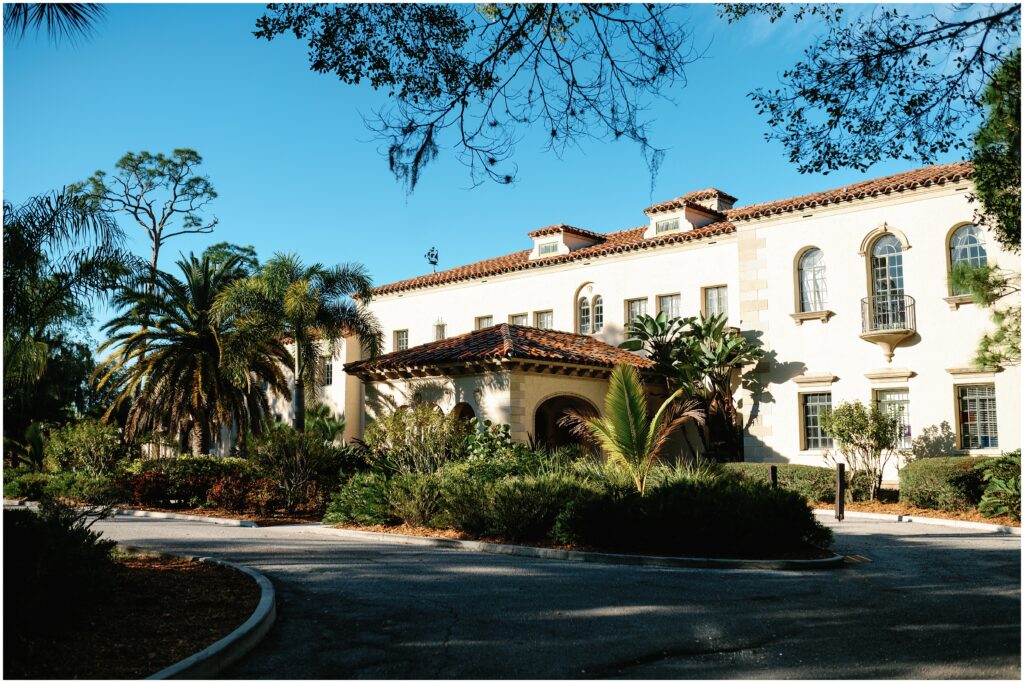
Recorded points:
(693, 517)
(950, 483)
(816, 484)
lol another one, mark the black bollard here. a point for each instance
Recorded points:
(840, 490)
(775, 476)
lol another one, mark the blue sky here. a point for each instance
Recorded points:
(296, 170)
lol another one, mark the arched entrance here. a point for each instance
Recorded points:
(463, 411)
(546, 429)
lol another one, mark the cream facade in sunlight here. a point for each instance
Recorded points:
(846, 290)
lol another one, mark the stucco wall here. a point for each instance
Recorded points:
(487, 393)
(946, 338)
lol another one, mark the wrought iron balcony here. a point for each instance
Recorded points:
(887, 320)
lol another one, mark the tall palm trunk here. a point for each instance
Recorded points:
(300, 390)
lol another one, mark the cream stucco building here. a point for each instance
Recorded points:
(846, 290)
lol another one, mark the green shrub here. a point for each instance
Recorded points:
(816, 484)
(414, 498)
(263, 495)
(526, 509)
(418, 439)
(465, 501)
(363, 499)
(950, 484)
(1002, 486)
(86, 488)
(230, 493)
(25, 483)
(299, 463)
(88, 446)
(746, 519)
(185, 479)
(56, 566)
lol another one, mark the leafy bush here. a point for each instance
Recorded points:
(951, 483)
(693, 517)
(526, 509)
(1002, 488)
(414, 498)
(86, 488)
(150, 487)
(297, 462)
(230, 493)
(185, 479)
(816, 484)
(88, 446)
(263, 495)
(363, 499)
(419, 439)
(464, 501)
(59, 566)
(25, 483)
(867, 437)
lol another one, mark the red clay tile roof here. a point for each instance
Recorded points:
(633, 239)
(691, 199)
(560, 228)
(922, 177)
(505, 342)
(614, 243)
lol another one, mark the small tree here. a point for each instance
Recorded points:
(867, 438)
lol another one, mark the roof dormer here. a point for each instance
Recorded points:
(555, 240)
(692, 210)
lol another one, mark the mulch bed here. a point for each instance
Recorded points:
(897, 508)
(162, 611)
(809, 553)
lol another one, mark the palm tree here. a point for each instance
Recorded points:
(311, 307)
(625, 431)
(186, 369)
(60, 19)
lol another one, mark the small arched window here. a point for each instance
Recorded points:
(598, 313)
(813, 285)
(584, 309)
(967, 248)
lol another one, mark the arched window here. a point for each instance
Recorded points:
(967, 247)
(598, 313)
(888, 306)
(584, 309)
(813, 286)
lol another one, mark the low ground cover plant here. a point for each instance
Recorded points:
(816, 484)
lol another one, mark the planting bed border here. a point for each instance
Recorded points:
(920, 519)
(577, 555)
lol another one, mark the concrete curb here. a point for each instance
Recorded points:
(933, 521)
(575, 555)
(223, 521)
(209, 662)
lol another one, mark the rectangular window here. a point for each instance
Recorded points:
(635, 308)
(548, 248)
(522, 319)
(401, 340)
(326, 371)
(440, 331)
(977, 416)
(897, 402)
(544, 320)
(716, 301)
(669, 305)
(666, 226)
(812, 407)
(484, 321)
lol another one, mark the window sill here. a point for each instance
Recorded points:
(958, 300)
(803, 317)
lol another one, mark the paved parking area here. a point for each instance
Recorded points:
(926, 602)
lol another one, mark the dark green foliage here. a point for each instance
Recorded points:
(87, 446)
(61, 20)
(90, 489)
(997, 154)
(690, 517)
(415, 498)
(465, 502)
(297, 462)
(186, 480)
(25, 483)
(525, 509)
(55, 568)
(363, 499)
(420, 439)
(1002, 486)
(816, 484)
(230, 492)
(951, 483)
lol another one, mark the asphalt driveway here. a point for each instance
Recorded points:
(925, 602)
